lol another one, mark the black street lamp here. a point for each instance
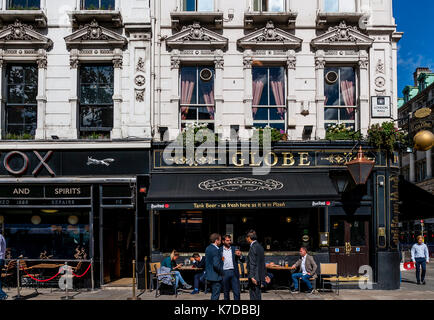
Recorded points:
(360, 168)
(340, 180)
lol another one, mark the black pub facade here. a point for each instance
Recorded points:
(308, 198)
(74, 201)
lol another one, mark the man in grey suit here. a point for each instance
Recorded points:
(255, 266)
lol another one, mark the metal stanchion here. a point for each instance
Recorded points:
(146, 273)
(134, 297)
(18, 296)
(91, 274)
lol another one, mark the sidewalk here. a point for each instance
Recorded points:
(409, 291)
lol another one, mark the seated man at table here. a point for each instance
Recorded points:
(170, 262)
(199, 278)
(307, 270)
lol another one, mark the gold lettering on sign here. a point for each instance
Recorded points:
(235, 162)
(67, 191)
(20, 191)
(304, 159)
(253, 158)
(267, 159)
(288, 159)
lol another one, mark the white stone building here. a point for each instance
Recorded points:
(58, 42)
(269, 60)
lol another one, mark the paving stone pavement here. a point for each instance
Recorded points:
(409, 291)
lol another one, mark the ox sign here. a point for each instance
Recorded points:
(17, 163)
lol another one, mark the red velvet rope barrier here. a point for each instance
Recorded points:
(38, 279)
(84, 272)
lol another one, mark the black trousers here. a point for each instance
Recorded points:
(420, 264)
(255, 290)
(216, 288)
(230, 281)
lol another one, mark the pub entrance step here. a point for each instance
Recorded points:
(119, 284)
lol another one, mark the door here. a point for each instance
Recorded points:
(118, 244)
(349, 244)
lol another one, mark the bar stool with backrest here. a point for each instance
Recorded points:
(330, 271)
(153, 273)
(244, 281)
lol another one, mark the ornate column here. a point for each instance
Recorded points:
(117, 95)
(428, 164)
(291, 98)
(320, 98)
(248, 88)
(175, 64)
(73, 98)
(218, 88)
(363, 110)
(41, 98)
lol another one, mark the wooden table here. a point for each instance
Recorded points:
(279, 268)
(46, 266)
(189, 269)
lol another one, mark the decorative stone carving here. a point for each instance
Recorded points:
(117, 63)
(42, 63)
(140, 80)
(23, 33)
(219, 62)
(380, 66)
(140, 65)
(196, 35)
(291, 62)
(247, 62)
(269, 36)
(342, 33)
(175, 62)
(363, 64)
(74, 63)
(380, 82)
(140, 95)
(94, 32)
(19, 31)
(320, 64)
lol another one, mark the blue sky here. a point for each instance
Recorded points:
(416, 47)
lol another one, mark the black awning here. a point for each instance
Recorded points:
(416, 203)
(188, 188)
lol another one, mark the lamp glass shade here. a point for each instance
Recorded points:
(36, 220)
(360, 168)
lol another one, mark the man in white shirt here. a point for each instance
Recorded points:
(3, 295)
(231, 274)
(307, 266)
(420, 256)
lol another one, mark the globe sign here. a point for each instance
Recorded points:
(423, 140)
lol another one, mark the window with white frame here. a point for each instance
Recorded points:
(98, 4)
(24, 4)
(197, 95)
(269, 103)
(339, 6)
(269, 5)
(96, 98)
(21, 104)
(340, 96)
(198, 5)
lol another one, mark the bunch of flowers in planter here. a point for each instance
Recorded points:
(276, 135)
(386, 136)
(191, 130)
(342, 132)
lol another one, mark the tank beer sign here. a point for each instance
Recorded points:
(24, 163)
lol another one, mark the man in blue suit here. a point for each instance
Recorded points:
(231, 274)
(214, 265)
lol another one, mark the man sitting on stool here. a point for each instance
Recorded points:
(307, 266)
(198, 262)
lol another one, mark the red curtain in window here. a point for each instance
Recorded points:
(279, 95)
(258, 88)
(187, 88)
(208, 97)
(347, 89)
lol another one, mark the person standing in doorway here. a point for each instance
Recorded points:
(255, 266)
(231, 274)
(3, 295)
(420, 256)
(214, 266)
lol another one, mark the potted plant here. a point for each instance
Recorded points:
(386, 136)
(342, 132)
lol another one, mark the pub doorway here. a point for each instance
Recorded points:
(118, 246)
(349, 243)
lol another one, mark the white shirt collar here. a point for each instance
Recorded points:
(215, 245)
(224, 248)
(252, 243)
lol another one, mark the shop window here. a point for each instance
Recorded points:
(269, 5)
(96, 98)
(269, 102)
(197, 95)
(198, 5)
(98, 4)
(33, 234)
(21, 105)
(339, 6)
(340, 96)
(24, 4)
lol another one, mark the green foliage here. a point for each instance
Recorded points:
(95, 136)
(276, 135)
(24, 136)
(190, 134)
(386, 136)
(341, 132)
(23, 8)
